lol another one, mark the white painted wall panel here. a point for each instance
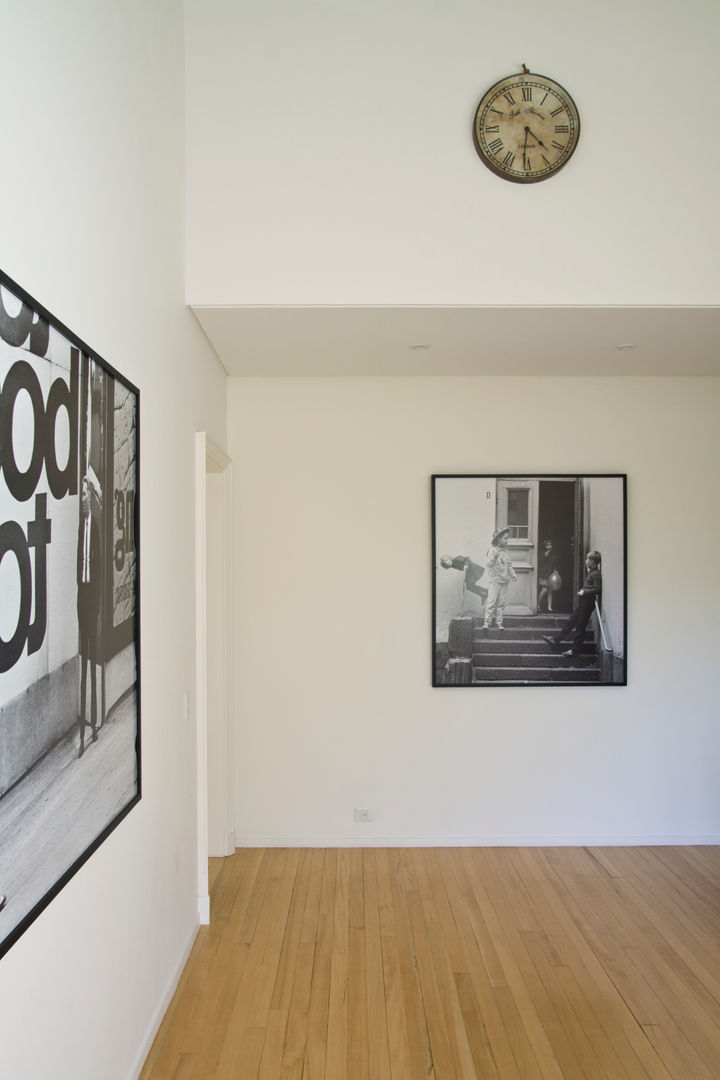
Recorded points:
(91, 218)
(335, 706)
(330, 157)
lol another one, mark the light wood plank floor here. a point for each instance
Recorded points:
(453, 963)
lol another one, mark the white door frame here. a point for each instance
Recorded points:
(209, 458)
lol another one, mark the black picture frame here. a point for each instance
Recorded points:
(70, 761)
(562, 621)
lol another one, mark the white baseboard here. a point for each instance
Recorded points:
(204, 910)
(162, 1006)
(474, 841)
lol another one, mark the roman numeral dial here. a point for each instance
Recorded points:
(526, 128)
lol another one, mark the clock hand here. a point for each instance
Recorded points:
(538, 141)
(527, 129)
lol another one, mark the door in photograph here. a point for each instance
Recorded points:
(560, 522)
(517, 508)
(536, 510)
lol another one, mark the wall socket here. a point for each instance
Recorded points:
(363, 813)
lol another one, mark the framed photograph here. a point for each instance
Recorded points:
(69, 606)
(529, 580)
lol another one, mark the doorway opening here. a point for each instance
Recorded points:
(213, 661)
(557, 522)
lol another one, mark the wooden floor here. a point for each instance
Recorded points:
(495, 963)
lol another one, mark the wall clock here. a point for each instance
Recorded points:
(526, 128)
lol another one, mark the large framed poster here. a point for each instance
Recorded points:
(69, 606)
(529, 580)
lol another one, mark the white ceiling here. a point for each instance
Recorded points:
(312, 341)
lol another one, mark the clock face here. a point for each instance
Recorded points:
(526, 128)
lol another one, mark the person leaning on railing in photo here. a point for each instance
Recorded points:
(591, 590)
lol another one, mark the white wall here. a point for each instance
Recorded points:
(92, 225)
(332, 534)
(330, 156)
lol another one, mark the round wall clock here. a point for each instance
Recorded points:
(526, 128)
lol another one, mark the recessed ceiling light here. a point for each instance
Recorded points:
(625, 347)
(420, 345)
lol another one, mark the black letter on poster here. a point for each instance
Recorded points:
(62, 481)
(14, 329)
(39, 532)
(12, 538)
(21, 377)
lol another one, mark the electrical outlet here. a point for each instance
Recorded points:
(363, 813)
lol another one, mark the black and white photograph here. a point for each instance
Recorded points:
(69, 606)
(529, 580)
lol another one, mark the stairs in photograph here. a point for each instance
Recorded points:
(517, 655)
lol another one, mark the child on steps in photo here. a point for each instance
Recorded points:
(499, 573)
